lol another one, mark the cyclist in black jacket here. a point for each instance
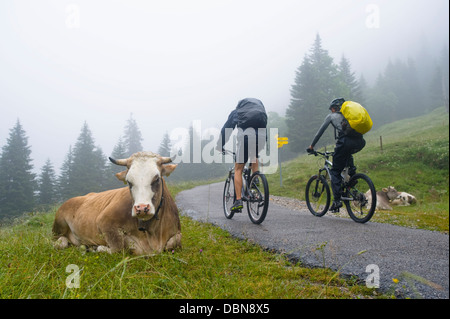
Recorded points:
(251, 120)
(348, 142)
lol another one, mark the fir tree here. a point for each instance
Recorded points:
(17, 182)
(87, 168)
(166, 146)
(132, 137)
(439, 85)
(396, 94)
(350, 87)
(316, 84)
(382, 102)
(47, 185)
(63, 182)
(363, 89)
(118, 152)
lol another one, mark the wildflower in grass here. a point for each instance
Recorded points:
(395, 280)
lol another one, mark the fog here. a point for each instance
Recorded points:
(170, 62)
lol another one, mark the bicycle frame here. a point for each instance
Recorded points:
(246, 175)
(255, 191)
(329, 164)
(353, 192)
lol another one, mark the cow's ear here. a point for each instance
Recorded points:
(121, 176)
(168, 169)
(385, 189)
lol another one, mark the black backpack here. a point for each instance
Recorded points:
(251, 113)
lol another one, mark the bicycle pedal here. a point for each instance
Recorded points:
(237, 210)
(334, 211)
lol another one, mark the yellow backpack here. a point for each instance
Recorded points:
(357, 116)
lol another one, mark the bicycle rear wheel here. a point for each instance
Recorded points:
(317, 195)
(229, 196)
(362, 198)
(258, 198)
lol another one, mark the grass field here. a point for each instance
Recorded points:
(414, 158)
(211, 263)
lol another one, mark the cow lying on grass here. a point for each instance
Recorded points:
(142, 217)
(390, 196)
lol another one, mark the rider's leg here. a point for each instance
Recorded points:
(355, 145)
(254, 155)
(340, 158)
(237, 205)
(238, 168)
(254, 165)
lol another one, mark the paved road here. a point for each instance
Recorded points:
(420, 257)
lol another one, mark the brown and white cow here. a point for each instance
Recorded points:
(404, 199)
(384, 198)
(390, 196)
(142, 217)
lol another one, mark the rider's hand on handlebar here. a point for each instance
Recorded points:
(310, 150)
(220, 149)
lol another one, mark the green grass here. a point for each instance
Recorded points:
(414, 159)
(210, 265)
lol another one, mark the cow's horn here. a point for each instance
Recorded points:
(165, 160)
(121, 162)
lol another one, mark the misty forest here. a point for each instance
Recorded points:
(403, 89)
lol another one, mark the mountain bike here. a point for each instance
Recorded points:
(358, 192)
(255, 191)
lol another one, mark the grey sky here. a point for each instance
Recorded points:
(170, 62)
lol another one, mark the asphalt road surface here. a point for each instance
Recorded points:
(419, 259)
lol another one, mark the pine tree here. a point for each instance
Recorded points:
(350, 87)
(412, 101)
(47, 185)
(363, 89)
(132, 137)
(382, 102)
(17, 181)
(63, 182)
(87, 168)
(396, 94)
(439, 85)
(316, 84)
(166, 146)
(118, 152)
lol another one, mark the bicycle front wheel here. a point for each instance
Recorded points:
(317, 195)
(229, 197)
(258, 199)
(362, 198)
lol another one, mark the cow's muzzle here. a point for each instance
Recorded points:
(142, 210)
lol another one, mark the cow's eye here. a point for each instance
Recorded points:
(130, 185)
(156, 180)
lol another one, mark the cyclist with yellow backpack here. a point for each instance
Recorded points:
(350, 121)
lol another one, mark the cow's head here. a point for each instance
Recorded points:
(143, 176)
(391, 192)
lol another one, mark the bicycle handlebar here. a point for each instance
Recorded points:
(228, 152)
(315, 153)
